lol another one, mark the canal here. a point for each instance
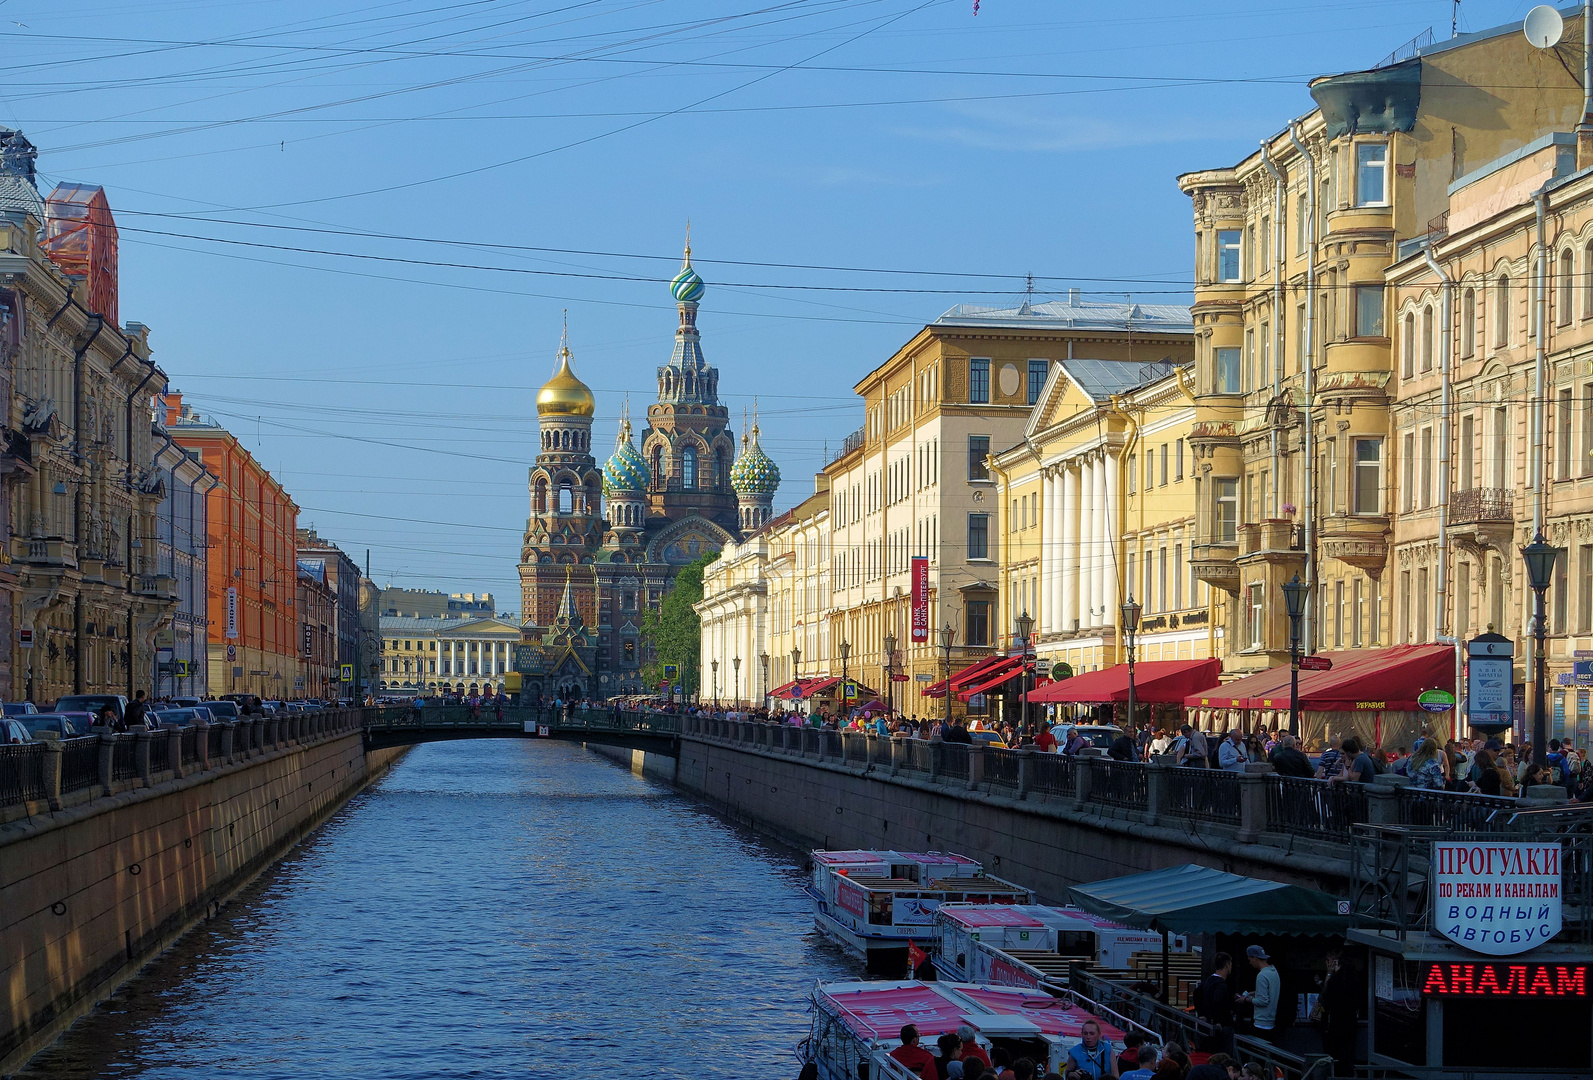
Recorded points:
(490, 909)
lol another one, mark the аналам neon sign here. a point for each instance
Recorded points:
(1461, 979)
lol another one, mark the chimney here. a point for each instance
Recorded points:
(1073, 297)
(172, 402)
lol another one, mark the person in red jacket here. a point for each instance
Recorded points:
(915, 1058)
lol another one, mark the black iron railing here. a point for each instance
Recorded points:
(124, 758)
(80, 764)
(1119, 783)
(1001, 766)
(1202, 795)
(1316, 808)
(22, 776)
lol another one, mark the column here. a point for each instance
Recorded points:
(1086, 562)
(1069, 552)
(1047, 612)
(1111, 547)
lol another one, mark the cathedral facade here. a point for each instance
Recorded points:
(603, 544)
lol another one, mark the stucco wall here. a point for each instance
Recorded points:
(89, 894)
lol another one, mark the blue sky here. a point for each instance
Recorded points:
(353, 225)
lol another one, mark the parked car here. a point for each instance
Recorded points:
(185, 702)
(1100, 735)
(12, 731)
(92, 704)
(19, 708)
(223, 710)
(57, 725)
(174, 717)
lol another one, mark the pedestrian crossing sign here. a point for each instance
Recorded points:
(849, 691)
(182, 668)
(347, 673)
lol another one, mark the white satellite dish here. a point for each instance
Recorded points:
(1543, 27)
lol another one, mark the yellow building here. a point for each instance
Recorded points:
(1294, 452)
(433, 655)
(916, 479)
(1099, 507)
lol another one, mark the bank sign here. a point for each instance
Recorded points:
(1499, 899)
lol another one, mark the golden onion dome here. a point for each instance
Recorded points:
(564, 394)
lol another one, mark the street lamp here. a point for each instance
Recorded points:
(890, 672)
(1540, 556)
(1131, 611)
(735, 665)
(763, 660)
(1023, 624)
(1294, 596)
(715, 665)
(845, 650)
(946, 634)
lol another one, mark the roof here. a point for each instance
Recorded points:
(1192, 899)
(1373, 680)
(1074, 313)
(1101, 379)
(1161, 681)
(442, 624)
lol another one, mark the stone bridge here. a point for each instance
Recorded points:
(653, 732)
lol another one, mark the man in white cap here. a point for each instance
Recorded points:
(1264, 998)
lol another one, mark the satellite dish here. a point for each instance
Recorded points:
(1543, 27)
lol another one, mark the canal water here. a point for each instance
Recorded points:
(490, 909)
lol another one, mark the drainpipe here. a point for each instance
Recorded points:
(1279, 184)
(1445, 409)
(79, 627)
(1584, 130)
(1309, 363)
(1540, 367)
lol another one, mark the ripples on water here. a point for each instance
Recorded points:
(490, 909)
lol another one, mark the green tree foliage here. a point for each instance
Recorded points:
(674, 633)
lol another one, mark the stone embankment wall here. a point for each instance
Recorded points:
(90, 892)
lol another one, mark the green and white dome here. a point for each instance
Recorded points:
(626, 471)
(687, 286)
(754, 473)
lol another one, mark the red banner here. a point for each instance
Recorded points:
(920, 598)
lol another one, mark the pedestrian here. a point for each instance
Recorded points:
(1264, 998)
(1362, 769)
(1429, 765)
(1214, 999)
(1340, 1006)
(1287, 760)
(1231, 753)
(914, 1058)
(1091, 1058)
(137, 711)
(1194, 752)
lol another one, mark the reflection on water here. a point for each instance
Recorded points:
(490, 909)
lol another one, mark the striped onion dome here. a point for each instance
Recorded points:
(754, 473)
(687, 286)
(626, 472)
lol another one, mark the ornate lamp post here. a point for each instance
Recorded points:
(890, 672)
(715, 666)
(735, 667)
(845, 649)
(1022, 625)
(1295, 593)
(1540, 557)
(796, 673)
(946, 634)
(1131, 612)
(763, 660)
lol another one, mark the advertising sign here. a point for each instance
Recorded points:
(1490, 675)
(1436, 700)
(920, 568)
(1493, 980)
(852, 898)
(1005, 973)
(25, 637)
(232, 613)
(1498, 899)
(913, 911)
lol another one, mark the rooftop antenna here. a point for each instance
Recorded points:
(1544, 27)
(1454, 19)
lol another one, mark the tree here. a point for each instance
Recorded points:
(674, 633)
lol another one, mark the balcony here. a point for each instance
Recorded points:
(51, 551)
(1482, 506)
(1215, 565)
(1361, 542)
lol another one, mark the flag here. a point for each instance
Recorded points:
(916, 957)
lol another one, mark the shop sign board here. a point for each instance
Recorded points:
(1499, 980)
(920, 598)
(1490, 679)
(1436, 700)
(1496, 898)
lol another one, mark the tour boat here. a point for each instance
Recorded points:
(1033, 946)
(876, 903)
(860, 1022)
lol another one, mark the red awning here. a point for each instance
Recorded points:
(813, 687)
(994, 675)
(959, 680)
(1360, 680)
(782, 691)
(1162, 682)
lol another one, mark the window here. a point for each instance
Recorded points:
(979, 381)
(1407, 473)
(1301, 224)
(1038, 370)
(1501, 452)
(1427, 338)
(1567, 287)
(978, 536)
(1462, 598)
(1258, 616)
(1427, 468)
(1561, 598)
(1501, 312)
(977, 613)
(1228, 254)
(978, 457)
(1371, 174)
(1562, 436)
(1226, 530)
(1338, 614)
(1132, 472)
(1331, 459)
(1368, 311)
(1465, 479)
(1356, 603)
(1587, 430)
(1587, 281)
(688, 468)
(1468, 323)
(1422, 606)
(1266, 243)
(1164, 465)
(1404, 604)
(1266, 353)
(1252, 378)
(1368, 476)
(1408, 347)
(1227, 367)
(1584, 616)
(1178, 473)
(1161, 579)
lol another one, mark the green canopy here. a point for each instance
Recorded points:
(1193, 899)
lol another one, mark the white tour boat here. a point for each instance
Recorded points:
(877, 902)
(1029, 945)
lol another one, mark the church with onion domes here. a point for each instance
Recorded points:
(602, 544)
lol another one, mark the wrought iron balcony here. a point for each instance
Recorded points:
(1481, 506)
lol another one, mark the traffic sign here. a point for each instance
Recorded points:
(347, 673)
(849, 690)
(232, 652)
(25, 638)
(1315, 663)
(672, 672)
(1436, 700)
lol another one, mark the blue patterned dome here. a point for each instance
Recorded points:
(753, 473)
(687, 287)
(625, 473)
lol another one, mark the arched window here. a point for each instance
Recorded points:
(539, 501)
(1408, 349)
(658, 467)
(1468, 323)
(1567, 288)
(566, 498)
(1587, 281)
(688, 468)
(1501, 311)
(1427, 338)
